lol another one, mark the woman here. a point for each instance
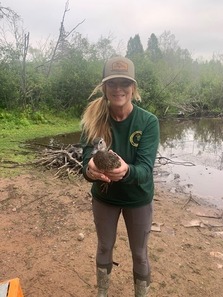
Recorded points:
(133, 134)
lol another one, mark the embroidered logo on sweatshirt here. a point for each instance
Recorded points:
(135, 138)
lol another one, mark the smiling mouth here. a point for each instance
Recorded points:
(118, 95)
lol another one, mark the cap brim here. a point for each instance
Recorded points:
(118, 76)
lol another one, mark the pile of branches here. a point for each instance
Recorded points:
(67, 161)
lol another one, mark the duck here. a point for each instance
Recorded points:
(104, 159)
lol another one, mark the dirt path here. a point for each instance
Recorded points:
(41, 219)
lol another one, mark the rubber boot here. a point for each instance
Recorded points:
(103, 280)
(141, 285)
(141, 288)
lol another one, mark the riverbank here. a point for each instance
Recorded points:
(13, 136)
(42, 217)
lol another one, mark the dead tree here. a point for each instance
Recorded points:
(23, 74)
(6, 12)
(61, 38)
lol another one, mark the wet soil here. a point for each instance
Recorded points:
(41, 221)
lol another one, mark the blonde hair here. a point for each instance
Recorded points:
(95, 119)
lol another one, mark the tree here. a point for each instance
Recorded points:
(7, 13)
(134, 47)
(14, 48)
(153, 49)
(168, 42)
(102, 49)
(61, 44)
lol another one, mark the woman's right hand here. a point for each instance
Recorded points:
(93, 172)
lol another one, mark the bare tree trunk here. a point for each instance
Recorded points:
(23, 75)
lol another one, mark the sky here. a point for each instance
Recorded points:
(196, 24)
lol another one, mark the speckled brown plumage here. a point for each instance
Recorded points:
(104, 159)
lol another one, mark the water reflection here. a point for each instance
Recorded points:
(201, 142)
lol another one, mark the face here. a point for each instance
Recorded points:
(119, 91)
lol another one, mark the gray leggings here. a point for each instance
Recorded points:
(138, 224)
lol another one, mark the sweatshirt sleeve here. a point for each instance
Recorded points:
(142, 168)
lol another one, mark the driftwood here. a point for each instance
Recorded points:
(67, 161)
(189, 200)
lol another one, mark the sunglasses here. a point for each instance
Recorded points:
(124, 83)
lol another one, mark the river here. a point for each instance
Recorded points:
(199, 141)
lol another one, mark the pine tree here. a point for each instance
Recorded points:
(134, 47)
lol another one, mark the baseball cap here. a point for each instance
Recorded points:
(118, 67)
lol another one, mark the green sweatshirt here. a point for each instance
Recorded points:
(136, 140)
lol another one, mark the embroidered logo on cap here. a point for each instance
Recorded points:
(119, 66)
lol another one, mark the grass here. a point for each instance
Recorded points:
(11, 137)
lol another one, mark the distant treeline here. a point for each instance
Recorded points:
(62, 75)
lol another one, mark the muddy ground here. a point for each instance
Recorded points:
(40, 221)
